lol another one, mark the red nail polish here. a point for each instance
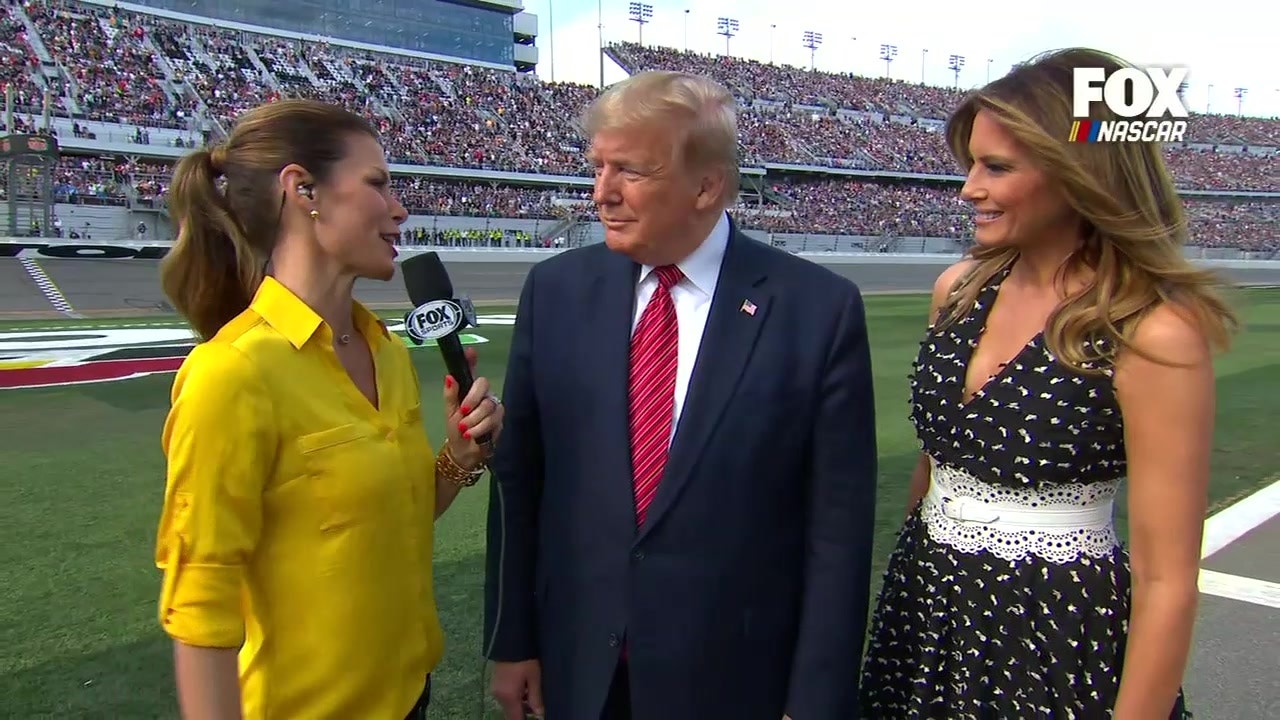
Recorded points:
(465, 410)
(466, 434)
(448, 381)
(462, 428)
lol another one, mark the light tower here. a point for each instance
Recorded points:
(954, 63)
(728, 27)
(641, 13)
(812, 40)
(887, 54)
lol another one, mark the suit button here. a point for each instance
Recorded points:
(637, 555)
(613, 640)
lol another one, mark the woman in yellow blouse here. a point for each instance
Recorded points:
(296, 534)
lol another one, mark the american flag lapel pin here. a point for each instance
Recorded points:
(749, 307)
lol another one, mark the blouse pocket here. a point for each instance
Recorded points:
(333, 437)
(351, 475)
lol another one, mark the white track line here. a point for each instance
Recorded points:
(1234, 587)
(1230, 524)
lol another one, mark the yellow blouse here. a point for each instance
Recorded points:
(297, 518)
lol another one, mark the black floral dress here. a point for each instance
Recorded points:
(1007, 595)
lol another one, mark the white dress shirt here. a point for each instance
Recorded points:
(692, 299)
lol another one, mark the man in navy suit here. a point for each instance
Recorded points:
(681, 521)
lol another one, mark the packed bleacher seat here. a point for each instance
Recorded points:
(17, 64)
(155, 75)
(421, 196)
(95, 180)
(112, 68)
(815, 206)
(856, 207)
(161, 73)
(791, 85)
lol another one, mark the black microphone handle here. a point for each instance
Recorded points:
(455, 361)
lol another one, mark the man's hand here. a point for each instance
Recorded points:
(516, 685)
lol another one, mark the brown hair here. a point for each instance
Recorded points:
(1133, 219)
(226, 235)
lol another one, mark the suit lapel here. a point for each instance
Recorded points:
(606, 343)
(727, 344)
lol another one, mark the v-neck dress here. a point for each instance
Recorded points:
(1007, 594)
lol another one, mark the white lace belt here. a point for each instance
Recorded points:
(1055, 522)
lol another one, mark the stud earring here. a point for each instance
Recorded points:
(315, 214)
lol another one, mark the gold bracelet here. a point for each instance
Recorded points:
(448, 468)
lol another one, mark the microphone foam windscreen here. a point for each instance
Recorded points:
(425, 278)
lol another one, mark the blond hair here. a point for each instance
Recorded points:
(699, 109)
(1134, 223)
(226, 235)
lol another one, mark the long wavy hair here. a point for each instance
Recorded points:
(1134, 225)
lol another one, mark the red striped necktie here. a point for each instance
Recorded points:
(653, 389)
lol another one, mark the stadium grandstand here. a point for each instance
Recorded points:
(485, 154)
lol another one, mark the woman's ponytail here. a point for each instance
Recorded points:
(212, 271)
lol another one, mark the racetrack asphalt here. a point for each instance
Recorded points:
(94, 287)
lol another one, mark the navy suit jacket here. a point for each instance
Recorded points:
(745, 594)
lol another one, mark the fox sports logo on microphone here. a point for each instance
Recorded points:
(433, 320)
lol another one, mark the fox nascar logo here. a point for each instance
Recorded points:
(435, 319)
(1149, 99)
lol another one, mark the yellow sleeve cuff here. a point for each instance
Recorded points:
(200, 604)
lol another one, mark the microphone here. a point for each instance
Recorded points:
(439, 316)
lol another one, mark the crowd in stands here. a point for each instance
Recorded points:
(106, 59)
(851, 207)
(856, 207)
(423, 196)
(755, 80)
(785, 205)
(95, 180)
(16, 65)
(147, 72)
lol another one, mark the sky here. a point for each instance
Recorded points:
(1223, 49)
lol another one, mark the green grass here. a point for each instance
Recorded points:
(83, 478)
